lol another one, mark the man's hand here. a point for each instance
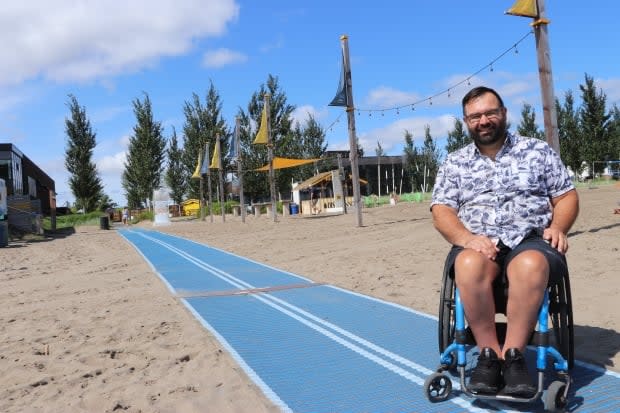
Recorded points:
(483, 245)
(556, 238)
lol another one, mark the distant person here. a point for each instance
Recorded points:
(505, 202)
(126, 216)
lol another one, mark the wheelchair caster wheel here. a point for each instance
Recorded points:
(555, 401)
(437, 387)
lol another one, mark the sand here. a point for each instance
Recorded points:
(87, 326)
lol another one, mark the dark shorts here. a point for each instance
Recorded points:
(558, 268)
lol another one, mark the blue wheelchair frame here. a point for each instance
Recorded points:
(439, 385)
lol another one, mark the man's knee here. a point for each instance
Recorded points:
(472, 267)
(529, 268)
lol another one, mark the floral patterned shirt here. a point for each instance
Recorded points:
(506, 198)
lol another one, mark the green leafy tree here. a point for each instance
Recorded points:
(145, 156)
(84, 181)
(431, 156)
(571, 139)
(283, 137)
(308, 143)
(457, 137)
(594, 123)
(202, 123)
(614, 134)
(175, 178)
(411, 162)
(528, 126)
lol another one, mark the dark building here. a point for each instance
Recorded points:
(24, 179)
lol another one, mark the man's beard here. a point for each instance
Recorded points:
(490, 135)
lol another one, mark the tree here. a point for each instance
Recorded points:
(411, 162)
(614, 133)
(202, 123)
(430, 156)
(594, 123)
(84, 181)
(145, 156)
(308, 143)
(457, 137)
(175, 177)
(528, 126)
(283, 138)
(571, 139)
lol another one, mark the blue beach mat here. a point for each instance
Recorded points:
(313, 347)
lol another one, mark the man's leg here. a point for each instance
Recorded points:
(474, 275)
(528, 274)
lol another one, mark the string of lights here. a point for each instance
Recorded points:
(447, 91)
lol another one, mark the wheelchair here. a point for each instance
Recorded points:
(454, 339)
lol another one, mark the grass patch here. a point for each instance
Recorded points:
(72, 220)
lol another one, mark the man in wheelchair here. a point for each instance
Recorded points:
(506, 203)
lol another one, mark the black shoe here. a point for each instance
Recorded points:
(486, 377)
(518, 382)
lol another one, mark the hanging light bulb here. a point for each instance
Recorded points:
(491, 68)
(516, 50)
(397, 112)
(412, 107)
(382, 113)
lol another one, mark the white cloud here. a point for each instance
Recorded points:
(611, 88)
(392, 136)
(73, 40)
(387, 97)
(303, 113)
(222, 57)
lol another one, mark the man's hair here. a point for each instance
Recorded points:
(479, 91)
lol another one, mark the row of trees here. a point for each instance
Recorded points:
(588, 133)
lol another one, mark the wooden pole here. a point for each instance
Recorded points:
(201, 204)
(239, 168)
(343, 183)
(209, 184)
(272, 180)
(353, 155)
(220, 174)
(546, 78)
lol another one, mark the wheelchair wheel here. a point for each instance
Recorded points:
(437, 387)
(561, 313)
(446, 313)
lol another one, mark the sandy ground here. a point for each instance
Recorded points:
(87, 327)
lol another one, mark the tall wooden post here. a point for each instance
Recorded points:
(220, 173)
(353, 154)
(272, 180)
(343, 183)
(239, 168)
(209, 191)
(202, 180)
(546, 79)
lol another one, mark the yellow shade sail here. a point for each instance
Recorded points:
(281, 163)
(215, 159)
(525, 8)
(196, 174)
(261, 136)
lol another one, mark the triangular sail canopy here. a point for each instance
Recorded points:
(281, 163)
(525, 8)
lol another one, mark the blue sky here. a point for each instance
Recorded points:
(107, 53)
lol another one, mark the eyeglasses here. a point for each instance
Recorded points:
(492, 114)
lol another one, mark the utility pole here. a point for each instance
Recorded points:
(272, 180)
(220, 174)
(353, 154)
(239, 169)
(546, 78)
(207, 159)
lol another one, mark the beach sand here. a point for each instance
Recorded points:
(87, 326)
